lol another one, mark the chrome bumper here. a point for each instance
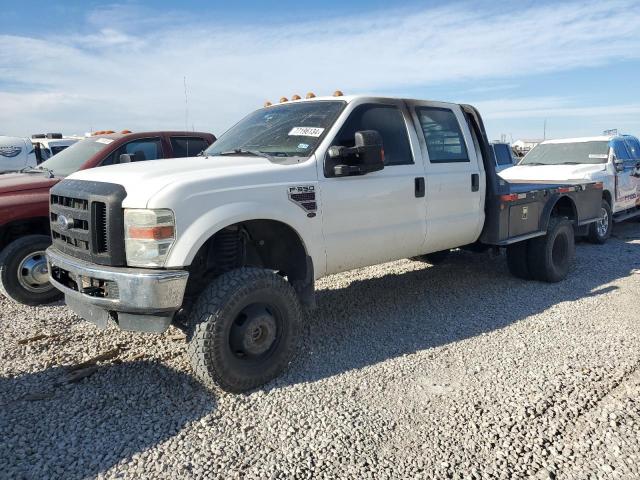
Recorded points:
(140, 299)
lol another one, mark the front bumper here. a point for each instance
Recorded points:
(137, 299)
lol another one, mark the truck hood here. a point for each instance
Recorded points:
(552, 172)
(16, 182)
(142, 180)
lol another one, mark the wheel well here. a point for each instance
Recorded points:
(565, 207)
(21, 228)
(607, 196)
(259, 243)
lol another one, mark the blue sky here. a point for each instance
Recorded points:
(77, 66)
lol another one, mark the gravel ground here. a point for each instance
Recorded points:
(405, 370)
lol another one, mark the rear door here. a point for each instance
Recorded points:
(455, 176)
(380, 216)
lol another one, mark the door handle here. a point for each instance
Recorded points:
(419, 187)
(475, 182)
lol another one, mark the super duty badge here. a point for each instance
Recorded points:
(305, 197)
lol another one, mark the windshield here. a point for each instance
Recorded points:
(71, 158)
(568, 153)
(286, 130)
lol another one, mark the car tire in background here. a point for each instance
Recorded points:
(600, 231)
(24, 277)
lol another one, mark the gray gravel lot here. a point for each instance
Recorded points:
(405, 371)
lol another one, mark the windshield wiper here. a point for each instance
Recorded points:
(242, 151)
(569, 163)
(533, 163)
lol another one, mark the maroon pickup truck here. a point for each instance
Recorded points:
(24, 201)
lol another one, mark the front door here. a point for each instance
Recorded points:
(379, 216)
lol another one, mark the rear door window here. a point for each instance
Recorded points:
(187, 146)
(442, 134)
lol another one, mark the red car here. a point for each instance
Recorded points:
(24, 201)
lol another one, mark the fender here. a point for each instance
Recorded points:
(551, 205)
(198, 232)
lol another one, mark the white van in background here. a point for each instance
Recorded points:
(16, 153)
(611, 159)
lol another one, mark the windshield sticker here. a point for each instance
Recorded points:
(106, 141)
(306, 131)
(598, 155)
(303, 146)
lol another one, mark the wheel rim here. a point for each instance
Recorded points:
(603, 224)
(255, 332)
(560, 250)
(33, 274)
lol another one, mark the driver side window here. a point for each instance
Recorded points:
(389, 122)
(146, 148)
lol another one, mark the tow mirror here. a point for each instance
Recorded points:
(367, 155)
(618, 163)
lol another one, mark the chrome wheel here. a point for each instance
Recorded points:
(33, 274)
(602, 226)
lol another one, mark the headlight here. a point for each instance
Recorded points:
(148, 236)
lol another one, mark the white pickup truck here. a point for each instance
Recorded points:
(613, 160)
(228, 245)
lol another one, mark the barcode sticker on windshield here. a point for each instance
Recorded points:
(598, 155)
(306, 131)
(106, 141)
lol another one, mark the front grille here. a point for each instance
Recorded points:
(87, 221)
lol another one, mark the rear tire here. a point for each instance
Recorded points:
(600, 231)
(518, 260)
(435, 258)
(550, 257)
(23, 271)
(242, 330)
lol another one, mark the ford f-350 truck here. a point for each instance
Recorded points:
(228, 245)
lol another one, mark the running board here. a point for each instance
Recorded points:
(621, 217)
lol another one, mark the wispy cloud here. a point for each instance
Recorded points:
(117, 77)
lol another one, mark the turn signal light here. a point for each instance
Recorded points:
(161, 232)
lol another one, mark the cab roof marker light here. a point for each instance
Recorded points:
(126, 131)
(283, 99)
(267, 103)
(338, 93)
(310, 95)
(296, 97)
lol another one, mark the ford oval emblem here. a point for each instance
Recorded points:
(65, 223)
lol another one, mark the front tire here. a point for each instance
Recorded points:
(550, 257)
(600, 231)
(24, 277)
(242, 330)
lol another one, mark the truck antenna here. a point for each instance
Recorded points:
(186, 105)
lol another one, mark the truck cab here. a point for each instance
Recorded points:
(228, 245)
(613, 160)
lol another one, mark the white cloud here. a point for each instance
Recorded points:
(128, 72)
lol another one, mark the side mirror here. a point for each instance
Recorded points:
(125, 158)
(366, 156)
(618, 164)
(138, 156)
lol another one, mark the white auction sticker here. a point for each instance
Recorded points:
(106, 141)
(306, 131)
(598, 155)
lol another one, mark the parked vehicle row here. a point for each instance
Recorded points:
(228, 245)
(613, 160)
(24, 201)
